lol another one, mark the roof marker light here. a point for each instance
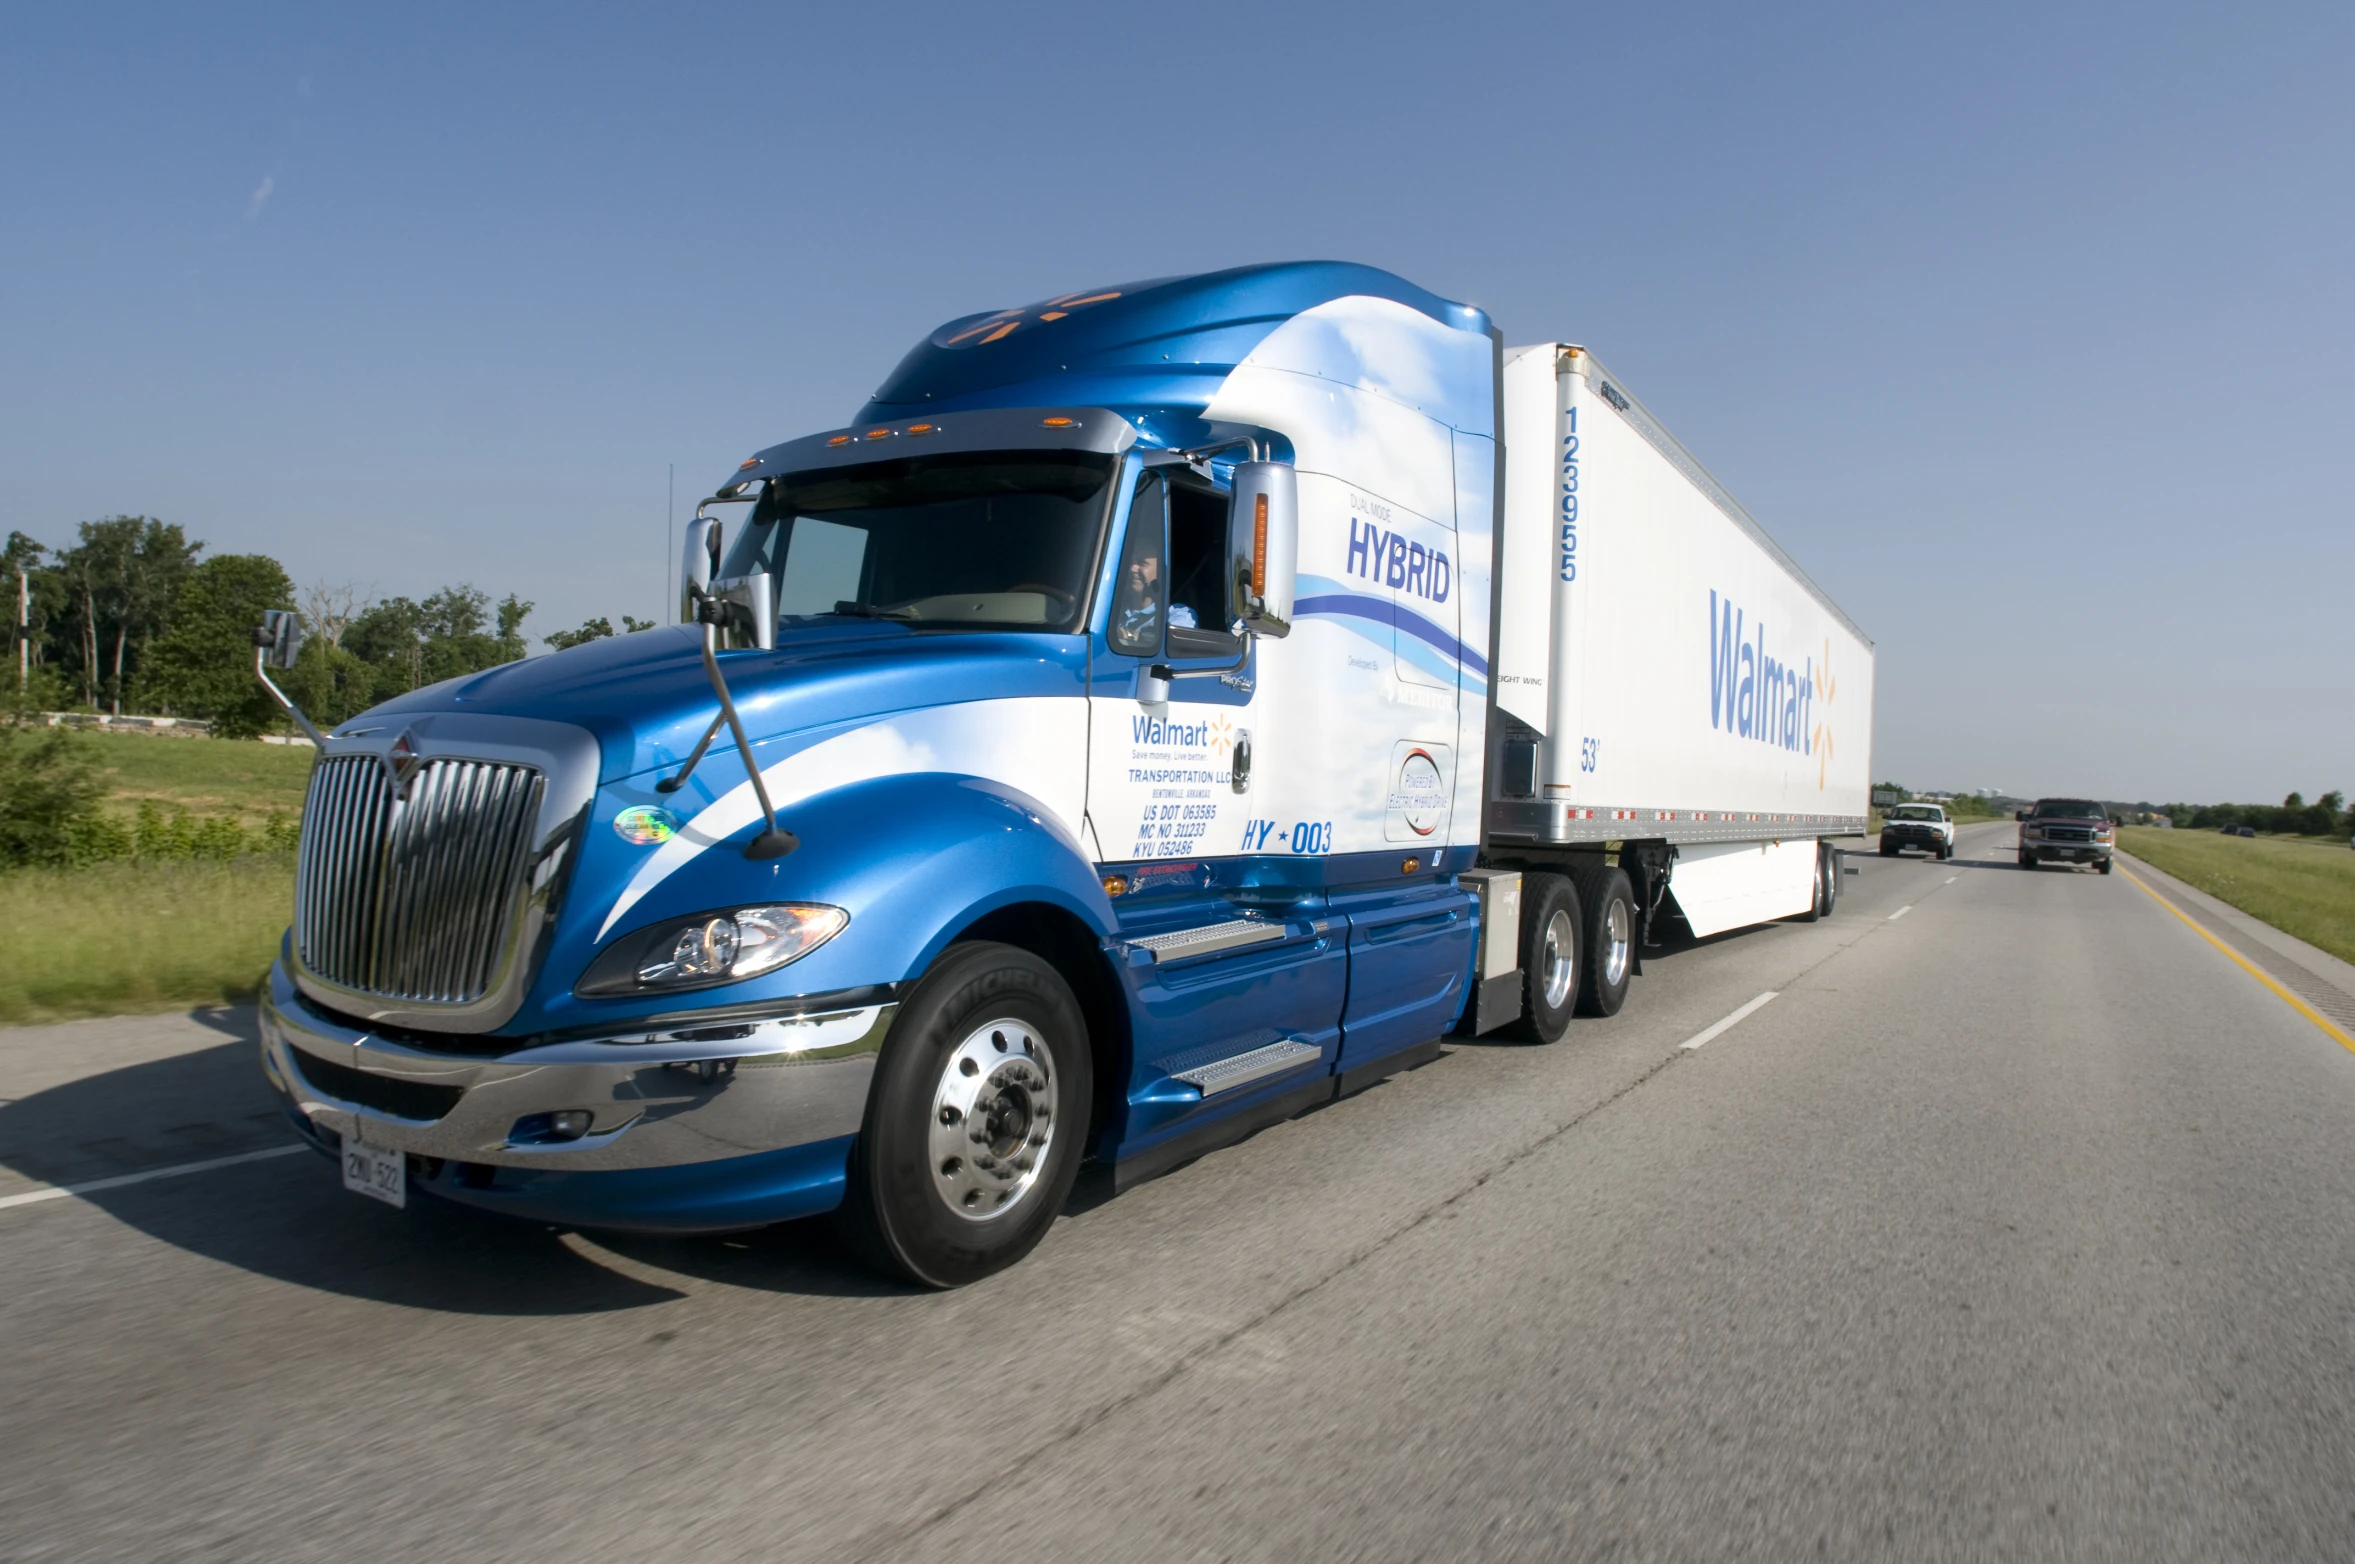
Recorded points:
(840, 439)
(749, 461)
(878, 434)
(923, 428)
(1058, 422)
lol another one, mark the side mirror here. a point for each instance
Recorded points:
(280, 637)
(698, 563)
(2019, 814)
(1263, 536)
(746, 607)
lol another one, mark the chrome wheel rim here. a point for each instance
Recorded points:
(994, 1115)
(1558, 963)
(1618, 924)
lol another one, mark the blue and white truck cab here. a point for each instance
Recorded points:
(1078, 755)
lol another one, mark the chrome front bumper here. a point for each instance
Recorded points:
(671, 1097)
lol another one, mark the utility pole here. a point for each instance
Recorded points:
(670, 516)
(24, 631)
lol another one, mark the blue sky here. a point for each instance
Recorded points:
(2025, 328)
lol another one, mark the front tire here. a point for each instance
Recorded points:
(976, 1121)
(2105, 866)
(2027, 860)
(1607, 901)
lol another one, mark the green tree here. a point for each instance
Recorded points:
(447, 636)
(46, 786)
(596, 629)
(330, 684)
(203, 664)
(124, 573)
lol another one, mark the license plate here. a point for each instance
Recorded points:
(375, 1172)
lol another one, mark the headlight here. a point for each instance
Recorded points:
(709, 949)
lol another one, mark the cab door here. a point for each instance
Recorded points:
(1235, 974)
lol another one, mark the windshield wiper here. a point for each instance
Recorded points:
(852, 610)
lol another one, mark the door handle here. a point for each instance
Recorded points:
(1242, 773)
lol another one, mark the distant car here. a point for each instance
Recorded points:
(2244, 830)
(2068, 831)
(1917, 825)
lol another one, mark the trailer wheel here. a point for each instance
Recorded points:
(975, 1120)
(1553, 952)
(1827, 886)
(1608, 904)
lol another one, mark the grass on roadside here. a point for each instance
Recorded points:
(203, 776)
(2301, 885)
(123, 937)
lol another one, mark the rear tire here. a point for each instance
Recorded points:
(1821, 906)
(1553, 956)
(989, 1052)
(1607, 901)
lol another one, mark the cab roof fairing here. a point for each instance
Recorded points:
(1156, 352)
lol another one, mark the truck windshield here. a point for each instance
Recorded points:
(1916, 812)
(2067, 809)
(963, 540)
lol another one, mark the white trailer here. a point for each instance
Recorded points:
(1670, 685)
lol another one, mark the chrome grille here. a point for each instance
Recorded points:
(2068, 833)
(413, 898)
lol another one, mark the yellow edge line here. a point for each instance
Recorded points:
(2259, 973)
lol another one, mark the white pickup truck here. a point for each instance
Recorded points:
(1917, 825)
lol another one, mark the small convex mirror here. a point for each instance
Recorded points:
(280, 637)
(1263, 533)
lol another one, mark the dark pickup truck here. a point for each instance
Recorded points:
(2068, 831)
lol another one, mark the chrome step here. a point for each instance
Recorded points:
(1224, 1075)
(1209, 938)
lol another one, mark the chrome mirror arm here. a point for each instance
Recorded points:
(774, 841)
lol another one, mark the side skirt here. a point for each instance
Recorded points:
(1175, 1153)
(1179, 1150)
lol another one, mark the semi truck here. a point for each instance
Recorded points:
(1162, 709)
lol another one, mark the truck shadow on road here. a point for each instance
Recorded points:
(290, 1219)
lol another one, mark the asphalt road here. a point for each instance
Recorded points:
(2017, 1226)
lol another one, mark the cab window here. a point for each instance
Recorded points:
(1199, 611)
(1141, 591)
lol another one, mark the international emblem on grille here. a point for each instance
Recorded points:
(413, 876)
(403, 762)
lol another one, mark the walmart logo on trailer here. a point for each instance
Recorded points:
(1751, 695)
